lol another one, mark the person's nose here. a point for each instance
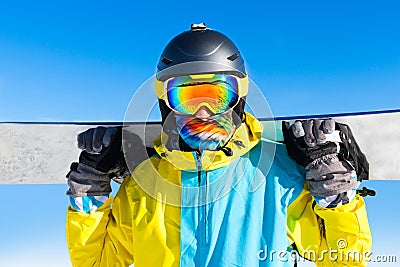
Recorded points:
(203, 113)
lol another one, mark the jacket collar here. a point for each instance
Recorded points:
(245, 138)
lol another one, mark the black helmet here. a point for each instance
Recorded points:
(200, 50)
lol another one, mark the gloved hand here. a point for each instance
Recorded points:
(102, 149)
(330, 176)
(94, 140)
(101, 160)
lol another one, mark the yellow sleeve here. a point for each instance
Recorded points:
(330, 237)
(103, 237)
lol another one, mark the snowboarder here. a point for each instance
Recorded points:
(213, 194)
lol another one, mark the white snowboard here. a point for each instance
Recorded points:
(41, 153)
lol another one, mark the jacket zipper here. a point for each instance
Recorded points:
(203, 187)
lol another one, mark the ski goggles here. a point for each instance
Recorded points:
(217, 92)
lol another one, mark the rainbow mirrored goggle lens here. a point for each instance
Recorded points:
(187, 94)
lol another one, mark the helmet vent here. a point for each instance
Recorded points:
(233, 57)
(166, 60)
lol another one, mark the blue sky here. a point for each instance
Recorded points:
(70, 60)
(83, 60)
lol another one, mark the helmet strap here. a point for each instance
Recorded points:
(239, 110)
(170, 127)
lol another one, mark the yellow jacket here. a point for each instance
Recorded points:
(250, 209)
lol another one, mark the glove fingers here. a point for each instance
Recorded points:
(97, 139)
(297, 129)
(109, 135)
(318, 133)
(309, 138)
(81, 141)
(328, 126)
(88, 138)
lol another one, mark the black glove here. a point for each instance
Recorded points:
(330, 166)
(306, 141)
(101, 160)
(102, 149)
